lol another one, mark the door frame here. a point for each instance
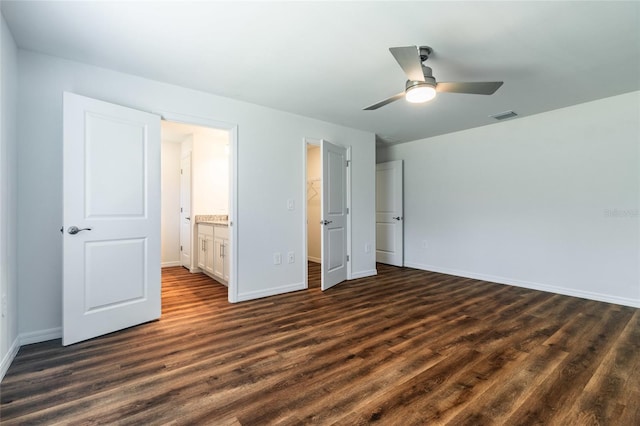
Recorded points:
(182, 194)
(233, 187)
(305, 248)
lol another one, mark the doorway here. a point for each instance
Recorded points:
(115, 261)
(198, 180)
(314, 215)
(389, 213)
(327, 223)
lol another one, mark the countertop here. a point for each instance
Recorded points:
(213, 219)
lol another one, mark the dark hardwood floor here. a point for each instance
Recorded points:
(405, 347)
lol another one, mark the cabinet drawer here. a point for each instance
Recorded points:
(222, 232)
(206, 229)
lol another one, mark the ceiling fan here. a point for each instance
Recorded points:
(422, 86)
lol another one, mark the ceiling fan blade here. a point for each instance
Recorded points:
(409, 59)
(383, 103)
(475, 88)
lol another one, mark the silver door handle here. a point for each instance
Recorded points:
(188, 218)
(325, 222)
(73, 230)
(397, 218)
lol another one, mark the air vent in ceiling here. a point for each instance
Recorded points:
(504, 115)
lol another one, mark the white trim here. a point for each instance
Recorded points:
(362, 274)
(271, 291)
(9, 357)
(170, 264)
(40, 336)
(27, 339)
(349, 215)
(599, 297)
(234, 259)
(314, 259)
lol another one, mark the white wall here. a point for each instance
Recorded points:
(8, 198)
(220, 174)
(548, 201)
(202, 177)
(210, 173)
(314, 195)
(269, 172)
(170, 216)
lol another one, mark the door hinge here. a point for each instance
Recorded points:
(180, 248)
(180, 171)
(348, 163)
(347, 210)
(180, 209)
(347, 258)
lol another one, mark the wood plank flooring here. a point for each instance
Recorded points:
(406, 347)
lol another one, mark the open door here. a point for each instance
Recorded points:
(111, 232)
(389, 219)
(334, 214)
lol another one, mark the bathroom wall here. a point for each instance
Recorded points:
(170, 204)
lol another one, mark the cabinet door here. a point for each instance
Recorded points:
(209, 247)
(202, 251)
(225, 257)
(218, 261)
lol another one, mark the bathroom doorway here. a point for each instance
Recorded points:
(197, 190)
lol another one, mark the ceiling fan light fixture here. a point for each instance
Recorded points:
(420, 93)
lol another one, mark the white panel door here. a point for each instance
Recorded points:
(389, 219)
(111, 182)
(334, 214)
(185, 211)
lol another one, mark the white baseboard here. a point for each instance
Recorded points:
(362, 274)
(634, 303)
(314, 259)
(40, 336)
(9, 357)
(27, 339)
(170, 264)
(250, 295)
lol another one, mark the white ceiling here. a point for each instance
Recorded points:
(328, 60)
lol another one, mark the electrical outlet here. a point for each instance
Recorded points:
(367, 248)
(291, 204)
(277, 258)
(291, 257)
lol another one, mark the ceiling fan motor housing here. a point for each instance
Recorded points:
(429, 81)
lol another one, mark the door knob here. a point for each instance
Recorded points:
(397, 217)
(325, 222)
(73, 230)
